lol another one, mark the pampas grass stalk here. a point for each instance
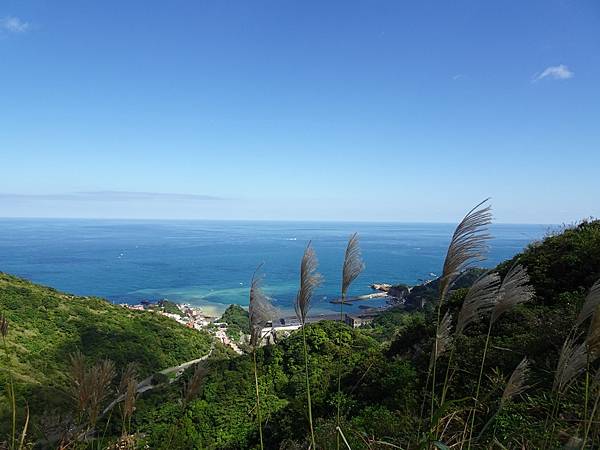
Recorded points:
(128, 391)
(353, 266)
(190, 391)
(588, 422)
(191, 388)
(591, 303)
(443, 340)
(514, 290)
(90, 386)
(25, 427)
(309, 281)
(260, 312)
(571, 362)
(515, 386)
(468, 245)
(480, 299)
(592, 342)
(574, 359)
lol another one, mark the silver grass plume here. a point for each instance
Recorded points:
(480, 299)
(468, 245)
(260, 311)
(514, 290)
(516, 383)
(128, 390)
(191, 388)
(309, 281)
(592, 301)
(593, 338)
(353, 264)
(571, 362)
(3, 326)
(443, 336)
(91, 385)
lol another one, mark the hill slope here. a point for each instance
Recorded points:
(46, 326)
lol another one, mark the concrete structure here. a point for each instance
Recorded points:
(358, 320)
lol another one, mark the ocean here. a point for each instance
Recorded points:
(210, 263)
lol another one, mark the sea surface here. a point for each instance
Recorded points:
(210, 263)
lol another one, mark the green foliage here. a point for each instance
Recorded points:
(564, 262)
(168, 306)
(45, 326)
(238, 321)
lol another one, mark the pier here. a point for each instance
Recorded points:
(360, 298)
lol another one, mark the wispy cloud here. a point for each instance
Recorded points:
(560, 72)
(14, 25)
(111, 196)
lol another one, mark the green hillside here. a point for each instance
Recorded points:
(46, 326)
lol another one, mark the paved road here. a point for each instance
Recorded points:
(146, 384)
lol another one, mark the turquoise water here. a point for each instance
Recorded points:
(210, 263)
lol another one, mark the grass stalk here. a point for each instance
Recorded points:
(448, 376)
(258, 415)
(11, 389)
(309, 281)
(308, 399)
(25, 426)
(587, 389)
(341, 433)
(588, 423)
(352, 267)
(478, 388)
(434, 365)
(339, 378)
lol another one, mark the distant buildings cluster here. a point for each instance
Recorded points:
(189, 316)
(192, 317)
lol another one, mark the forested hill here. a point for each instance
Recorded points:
(45, 326)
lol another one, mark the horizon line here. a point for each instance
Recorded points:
(154, 219)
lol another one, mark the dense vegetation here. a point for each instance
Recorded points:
(385, 393)
(46, 326)
(167, 306)
(237, 320)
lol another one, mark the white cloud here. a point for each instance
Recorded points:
(14, 25)
(560, 72)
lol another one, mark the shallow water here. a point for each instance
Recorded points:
(210, 263)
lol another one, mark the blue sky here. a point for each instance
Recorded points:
(321, 110)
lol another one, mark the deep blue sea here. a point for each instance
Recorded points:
(210, 263)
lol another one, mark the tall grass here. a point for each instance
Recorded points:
(468, 245)
(480, 299)
(90, 388)
(590, 305)
(575, 358)
(514, 290)
(260, 312)
(128, 391)
(352, 267)
(593, 385)
(309, 281)
(516, 385)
